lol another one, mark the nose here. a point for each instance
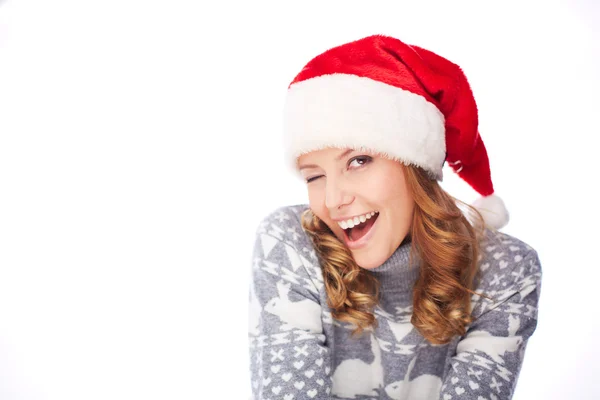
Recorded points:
(335, 194)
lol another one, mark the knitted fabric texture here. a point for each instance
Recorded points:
(297, 351)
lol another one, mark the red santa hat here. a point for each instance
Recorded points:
(402, 101)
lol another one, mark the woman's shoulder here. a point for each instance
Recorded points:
(500, 245)
(282, 228)
(507, 262)
(281, 213)
(284, 223)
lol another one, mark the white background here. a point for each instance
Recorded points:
(140, 147)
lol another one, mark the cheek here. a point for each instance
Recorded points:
(383, 188)
(316, 201)
(406, 204)
(391, 190)
(315, 196)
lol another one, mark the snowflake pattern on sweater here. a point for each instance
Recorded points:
(298, 351)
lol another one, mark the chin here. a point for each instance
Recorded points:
(367, 262)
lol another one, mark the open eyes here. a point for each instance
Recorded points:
(361, 161)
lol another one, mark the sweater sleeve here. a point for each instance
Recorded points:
(489, 356)
(288, 356)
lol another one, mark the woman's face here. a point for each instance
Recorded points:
(344, 183)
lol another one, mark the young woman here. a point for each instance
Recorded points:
(382, 287)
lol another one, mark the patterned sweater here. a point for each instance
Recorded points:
(297, 351)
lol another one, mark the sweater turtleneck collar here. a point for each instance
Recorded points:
(395, 274)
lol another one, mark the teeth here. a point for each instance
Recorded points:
(351, 223)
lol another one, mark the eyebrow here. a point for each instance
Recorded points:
(338, 158)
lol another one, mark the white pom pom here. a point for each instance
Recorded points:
(493, 210)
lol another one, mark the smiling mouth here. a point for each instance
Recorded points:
(360, 230)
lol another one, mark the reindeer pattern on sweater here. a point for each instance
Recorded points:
(298, 351)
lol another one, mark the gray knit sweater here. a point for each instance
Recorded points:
(297, 351)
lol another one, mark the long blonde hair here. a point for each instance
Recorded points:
(448, 246)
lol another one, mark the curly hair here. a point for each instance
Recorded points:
(448, 247)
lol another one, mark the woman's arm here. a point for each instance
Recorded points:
(489, 357)
(288, 359)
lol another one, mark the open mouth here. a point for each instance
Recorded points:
(360, 230)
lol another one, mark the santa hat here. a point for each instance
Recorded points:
(402, 101)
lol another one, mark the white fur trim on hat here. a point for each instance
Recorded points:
(344, 110)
